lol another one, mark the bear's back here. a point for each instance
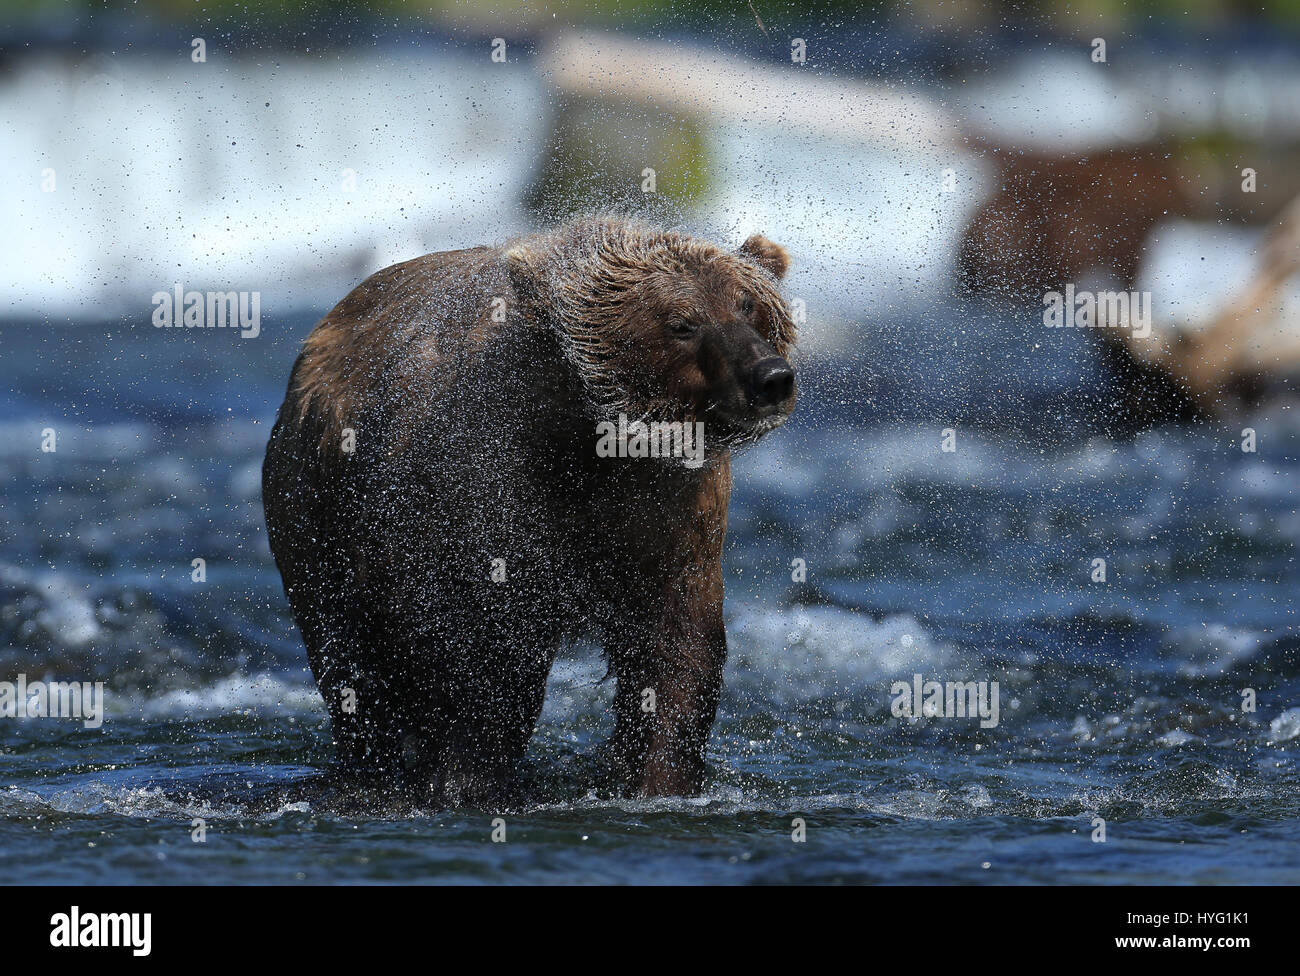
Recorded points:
(399, 338)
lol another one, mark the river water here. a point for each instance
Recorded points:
(1124, 706)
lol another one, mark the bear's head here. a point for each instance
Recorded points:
(663, 326)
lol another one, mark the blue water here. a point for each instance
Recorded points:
(1120, 700)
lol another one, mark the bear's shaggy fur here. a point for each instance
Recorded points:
(442, 521)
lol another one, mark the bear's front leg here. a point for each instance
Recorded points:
(664, 715)
(669, 669)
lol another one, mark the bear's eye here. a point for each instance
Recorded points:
(682, 328)
(746, 306)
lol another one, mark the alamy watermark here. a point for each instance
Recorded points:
(76, 929)
(946, 699)
(655, 439)
(53, 699)
(179, 308)
(1101, 310)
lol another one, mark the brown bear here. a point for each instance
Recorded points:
(1056, 219)
(1063, 218)
(443, 515)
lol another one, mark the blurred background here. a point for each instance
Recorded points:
(316, 142)
(934, 169)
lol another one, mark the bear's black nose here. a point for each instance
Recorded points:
(771, 382)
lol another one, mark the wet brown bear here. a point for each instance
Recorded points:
(442, 520)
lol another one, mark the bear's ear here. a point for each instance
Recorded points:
(520, 260)
(526, 265)
(768, 255)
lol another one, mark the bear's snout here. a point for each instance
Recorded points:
(771, 383)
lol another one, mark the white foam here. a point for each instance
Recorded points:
(1285, 727)
(262, 694)
(811, 652)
